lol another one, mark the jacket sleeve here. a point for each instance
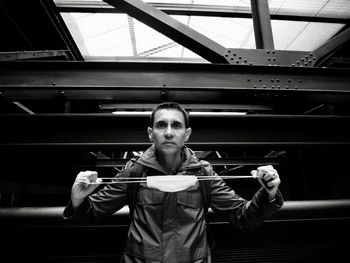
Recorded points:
(97, 207)
(244, 214)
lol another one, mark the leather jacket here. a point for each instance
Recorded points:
(170, 227)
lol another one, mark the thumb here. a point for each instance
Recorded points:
(96, 184)
(253, 173)
(98, 181)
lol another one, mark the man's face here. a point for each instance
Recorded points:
(169, 133)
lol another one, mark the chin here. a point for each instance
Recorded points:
(170, 149)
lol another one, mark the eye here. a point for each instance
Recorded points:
(177, 125)
(161, 125)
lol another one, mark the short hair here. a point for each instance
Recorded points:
(173, 106)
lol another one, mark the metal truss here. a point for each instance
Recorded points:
(186, 83)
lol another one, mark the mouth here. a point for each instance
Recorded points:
(167, 143)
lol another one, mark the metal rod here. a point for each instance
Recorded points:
(125, 180)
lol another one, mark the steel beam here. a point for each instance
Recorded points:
(170, 27)
(4, 56)
(110, 131)
(262, 24)
(186, 83)
(190, 10)
(271, 57)
(332, 45)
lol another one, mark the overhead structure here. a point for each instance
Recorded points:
(66, 107)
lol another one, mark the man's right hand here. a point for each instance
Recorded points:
(85, 183)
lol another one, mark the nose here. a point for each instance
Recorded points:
(169, 132)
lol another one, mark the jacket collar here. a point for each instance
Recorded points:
(149, 159)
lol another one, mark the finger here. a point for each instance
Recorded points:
(265, 168)
(91, 176)
(270, 175)
(266, 180)
(82, 180)
(267, 184)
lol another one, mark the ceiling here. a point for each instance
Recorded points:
(103, 32)
(49, 31)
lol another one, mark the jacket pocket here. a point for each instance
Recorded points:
(190, 199)
(148, 196)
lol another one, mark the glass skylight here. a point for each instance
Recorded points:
(117, 36)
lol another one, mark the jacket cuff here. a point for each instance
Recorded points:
(277, 200)
(70, 213)
(270, 205)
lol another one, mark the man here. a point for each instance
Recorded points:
(170, 226)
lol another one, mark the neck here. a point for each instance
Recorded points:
(170, 161)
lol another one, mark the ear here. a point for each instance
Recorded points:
(150, 133)
(188, 134)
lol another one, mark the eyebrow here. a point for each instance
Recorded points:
(172, 122)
